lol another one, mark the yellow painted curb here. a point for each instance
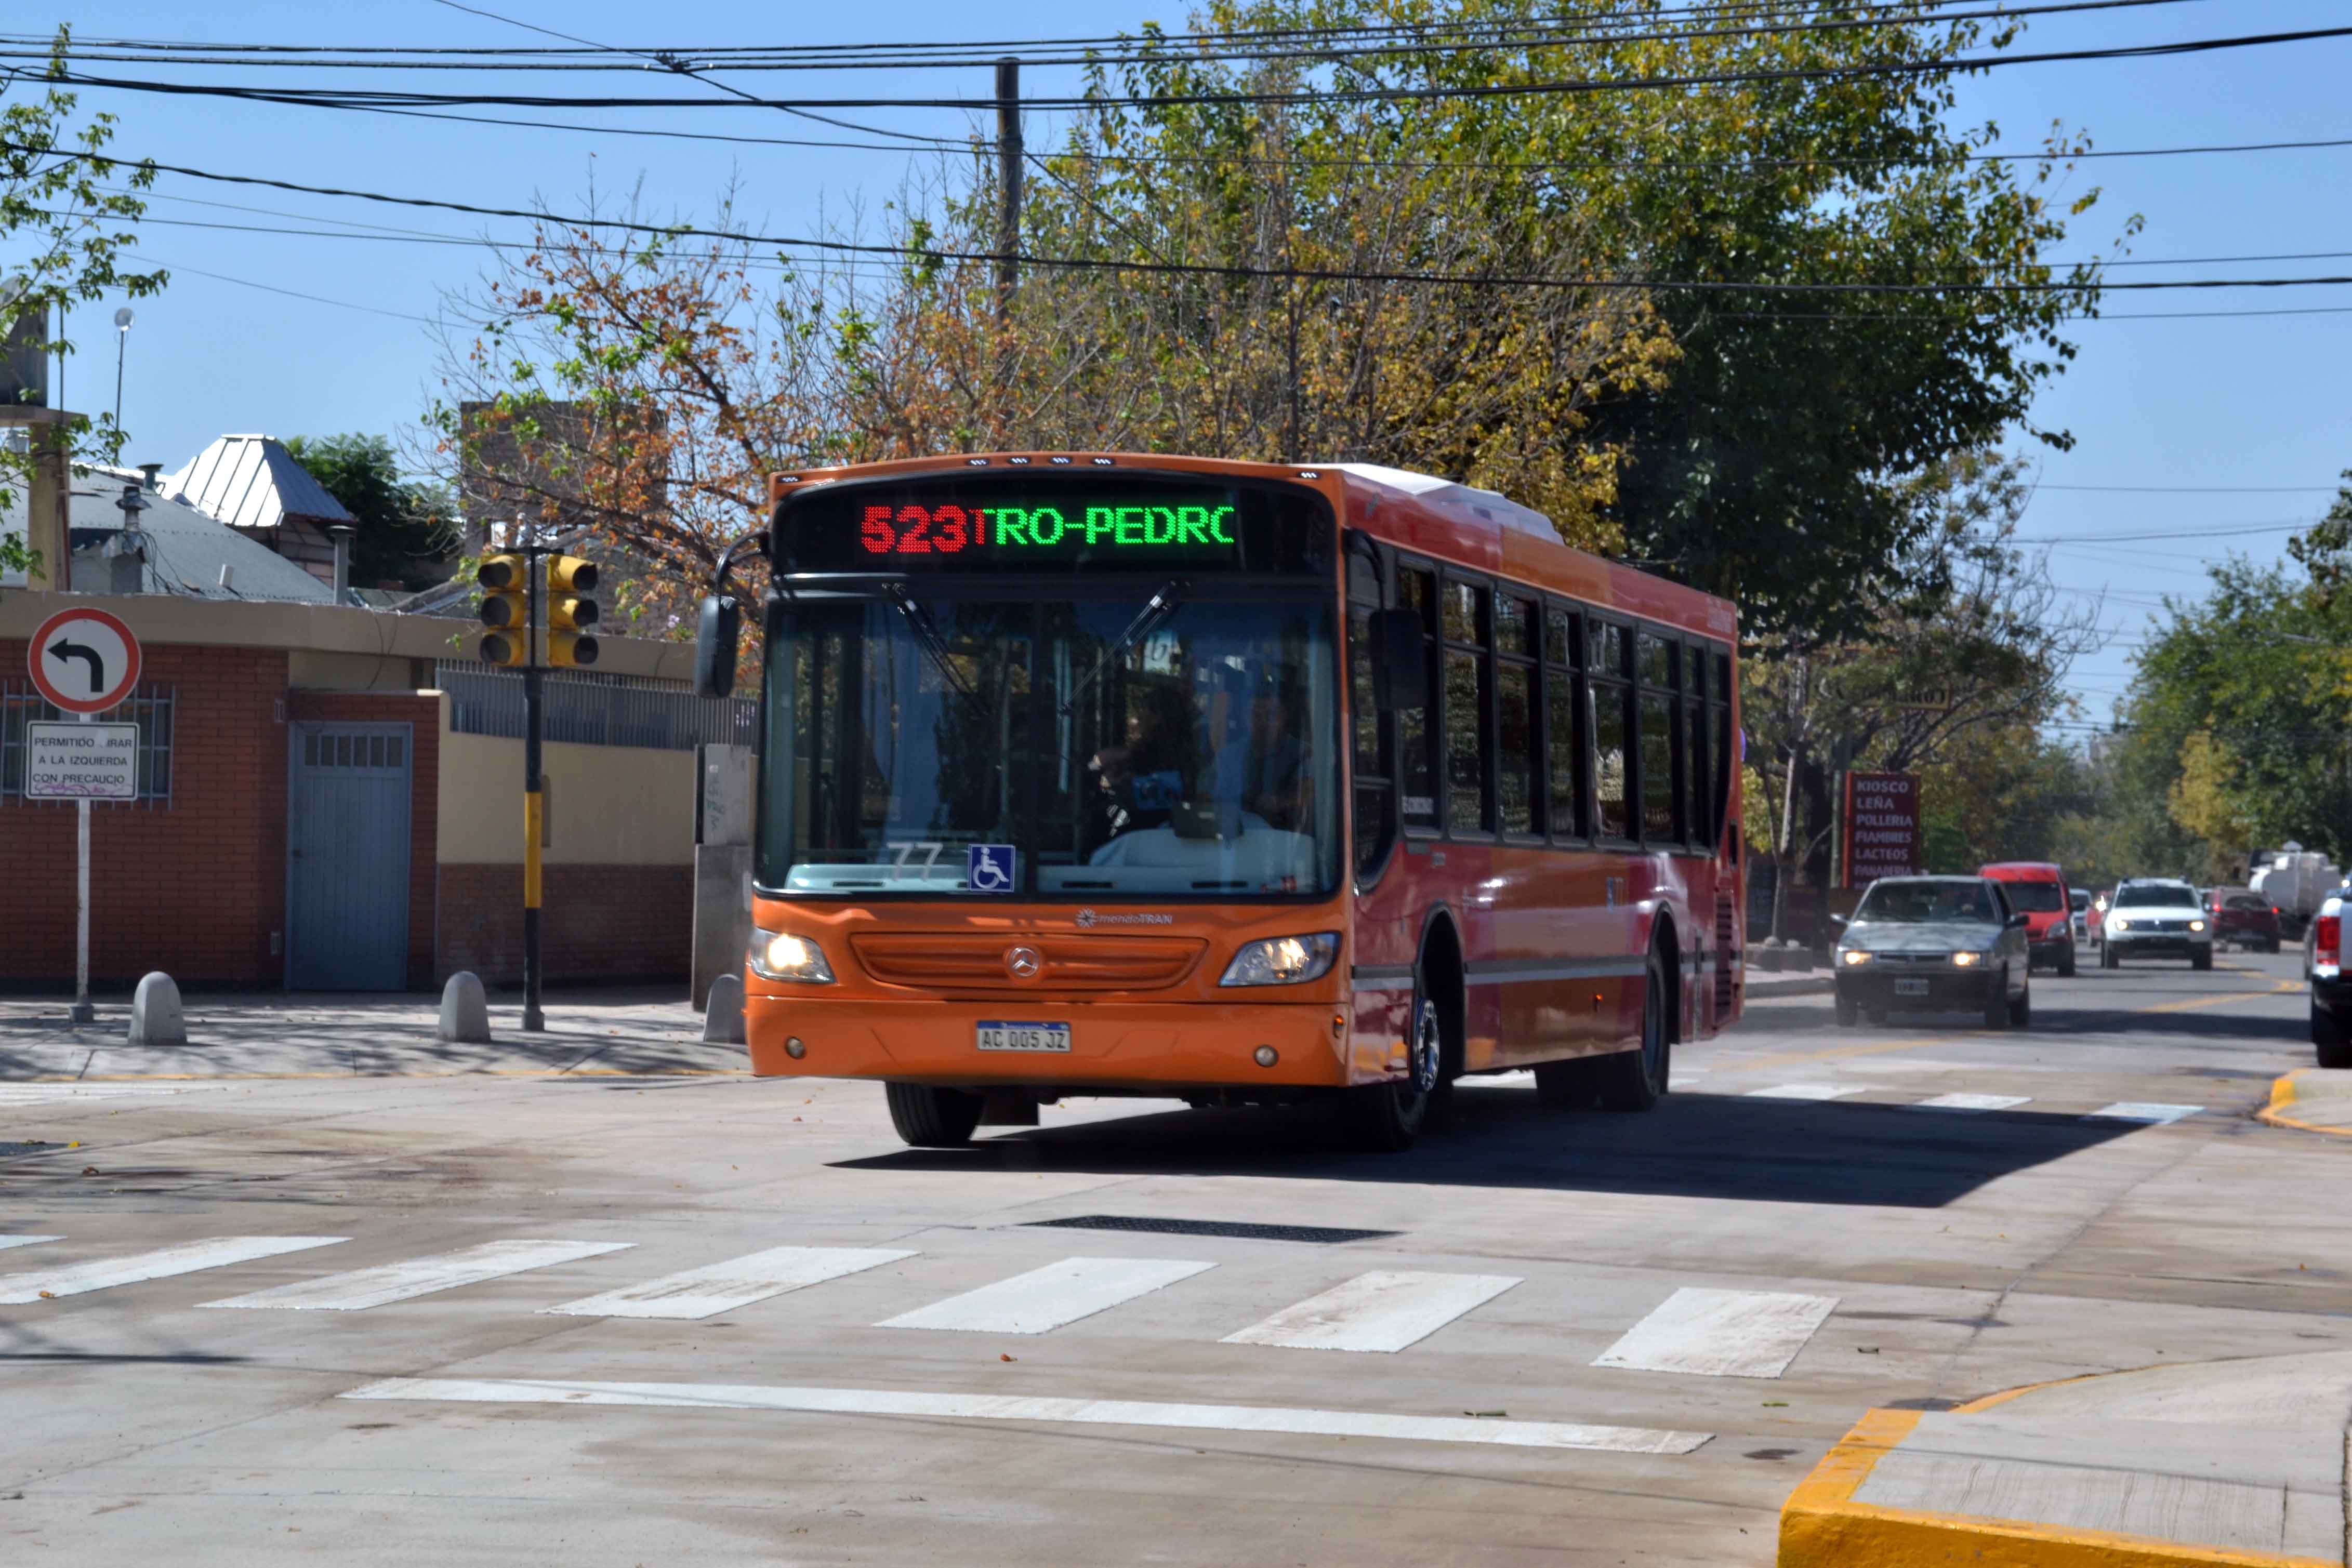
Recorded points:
(2283, 1093)
(1822, 1527)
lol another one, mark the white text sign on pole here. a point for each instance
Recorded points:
(81, 762)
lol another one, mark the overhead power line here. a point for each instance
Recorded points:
(1326, 94)
(1327, 44)
(1225, 270)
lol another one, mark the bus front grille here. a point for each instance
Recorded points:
(960, 961)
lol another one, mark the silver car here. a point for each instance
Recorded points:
(1933, 944)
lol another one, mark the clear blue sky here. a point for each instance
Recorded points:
(2206, 412)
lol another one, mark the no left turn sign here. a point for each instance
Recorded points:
(84, 660)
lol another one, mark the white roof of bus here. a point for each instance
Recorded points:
(1488, 504)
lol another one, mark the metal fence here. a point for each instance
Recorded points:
(148, 706)
(596, 710)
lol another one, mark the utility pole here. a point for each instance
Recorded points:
(1008, 182)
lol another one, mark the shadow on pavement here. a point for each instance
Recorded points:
(1693, 1146)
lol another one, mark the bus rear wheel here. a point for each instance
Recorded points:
(932, 1118)
(1636, 1080)
(1385, 1118)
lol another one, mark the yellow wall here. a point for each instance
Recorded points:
(608, 805)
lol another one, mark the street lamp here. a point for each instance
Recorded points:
(122, 319)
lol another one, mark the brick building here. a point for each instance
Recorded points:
(330, 799)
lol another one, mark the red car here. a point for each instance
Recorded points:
(2244, 918)
(2037, 890)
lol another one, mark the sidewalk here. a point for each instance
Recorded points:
(2231, 1462)
(233, 1035)
(2312, 1099)
(1762, 985)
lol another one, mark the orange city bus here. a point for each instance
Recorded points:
(1232, 782)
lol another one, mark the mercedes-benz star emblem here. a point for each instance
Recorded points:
(1023, 963)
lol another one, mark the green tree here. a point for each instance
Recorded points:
(406, 532)
(65, 236)
(2241, 711)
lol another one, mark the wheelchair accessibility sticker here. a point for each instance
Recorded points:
(989, 867)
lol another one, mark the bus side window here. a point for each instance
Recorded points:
(1611, 700)
(1660, 717)
(1518, 805)
(1700, 826)
(1368, 754)
(1566, 783)
(1469, 733)
(1416, 750)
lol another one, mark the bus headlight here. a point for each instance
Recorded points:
(1283, 960)
(779, 956)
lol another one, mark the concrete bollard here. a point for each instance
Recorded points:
(723, 1022)
(465, 1009)
(156, 1018)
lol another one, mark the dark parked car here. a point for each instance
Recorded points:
(2331, 988)
(2245, 918)
(1933, 944)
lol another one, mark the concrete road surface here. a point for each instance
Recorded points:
(497, 1318)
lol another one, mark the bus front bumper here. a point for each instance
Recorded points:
(1168, 1047)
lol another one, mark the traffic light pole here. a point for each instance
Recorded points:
(533, 591)
(534, 806)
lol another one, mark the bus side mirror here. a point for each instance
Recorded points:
(1400, 661)
(716, 638)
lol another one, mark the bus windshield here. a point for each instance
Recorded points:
(1132, 742)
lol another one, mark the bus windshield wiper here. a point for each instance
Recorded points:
(927, 633)
(1165, 604)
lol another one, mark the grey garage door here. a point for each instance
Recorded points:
(347, 857)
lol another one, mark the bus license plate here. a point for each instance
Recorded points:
(998, 1035)
(1910, 988)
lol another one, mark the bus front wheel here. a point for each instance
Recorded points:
(932, 1118)
(1385, 1118)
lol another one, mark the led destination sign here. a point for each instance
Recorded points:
(949, 529)
(989, 523)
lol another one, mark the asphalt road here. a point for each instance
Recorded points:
(1567, 1338)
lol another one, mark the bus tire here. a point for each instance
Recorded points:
(1628, 1080)
(932, 1118)
(1385, 1118)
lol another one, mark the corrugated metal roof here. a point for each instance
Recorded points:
(252, 482)
(186, 549)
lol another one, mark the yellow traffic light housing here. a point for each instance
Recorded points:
(505, 609)
(570, 612)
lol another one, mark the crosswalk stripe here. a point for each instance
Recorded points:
(8, 1241)
(1270, 1418)
(722, 1286)
(187, 1258)
(2153, 1111)
(1044, 1298)
(1972, 1102)
(1721, 1333)
(1805, 1092)
(1376, 1312)
(364, 1288)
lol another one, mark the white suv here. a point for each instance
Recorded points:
(2157, 918)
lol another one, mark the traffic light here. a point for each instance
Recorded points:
(505, 580)
(570, 612)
